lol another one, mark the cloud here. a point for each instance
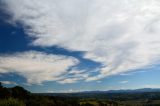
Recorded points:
(68, 80)
(132, 73)
(152, 86)
(37, 67)
(126, 74)
(121, 35)
(64, 91)
(99, 81)
(74, 76)
(8, 82)
(123, 82)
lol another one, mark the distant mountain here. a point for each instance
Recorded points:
(126, 91)
(137, 94)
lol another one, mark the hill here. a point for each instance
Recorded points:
(18, 96)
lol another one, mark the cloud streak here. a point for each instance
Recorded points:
(123, 82)
(121, 35)
(37, 67)
(9, 83)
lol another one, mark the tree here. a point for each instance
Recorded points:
(1, 85)
(4, 92)
(19, 92)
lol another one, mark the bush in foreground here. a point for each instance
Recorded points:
(11, 102)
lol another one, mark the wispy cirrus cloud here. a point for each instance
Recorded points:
(152, 86)
(74, 76)
(65, 91)
(8, 82)
(132, 73)
(121, 35)
(124, 82)
(37, 67)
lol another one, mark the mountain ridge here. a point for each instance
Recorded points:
(124, 90)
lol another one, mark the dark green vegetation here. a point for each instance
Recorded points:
(18, 96)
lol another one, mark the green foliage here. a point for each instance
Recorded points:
(4, 93)
(19, 92)
(11, 102)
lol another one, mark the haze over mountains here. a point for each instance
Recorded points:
(126, 91)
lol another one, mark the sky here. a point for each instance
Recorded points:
(80, 45)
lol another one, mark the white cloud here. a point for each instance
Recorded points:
(123, 82)
(74, 76)
(37, 67)
(99, 81)
(126, 74)
(132, 73)
(8, 82)
(63, 91)
(121, 35)
(151, 86)
(68, 80)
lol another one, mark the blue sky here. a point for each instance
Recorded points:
(59, 46)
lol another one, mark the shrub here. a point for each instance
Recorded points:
(11, 102)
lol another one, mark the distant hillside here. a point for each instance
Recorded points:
(126, 91)
(18, 96)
